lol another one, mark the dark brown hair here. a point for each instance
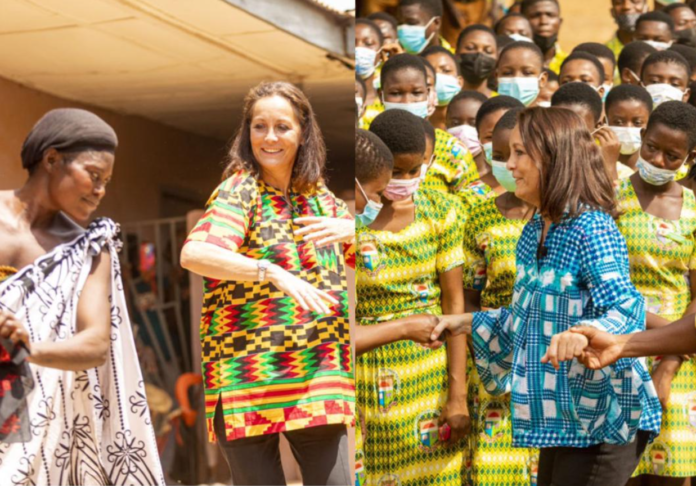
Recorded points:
(572, 173)
(308, 170)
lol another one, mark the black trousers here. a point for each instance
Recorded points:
(599, 465)
(321, 452)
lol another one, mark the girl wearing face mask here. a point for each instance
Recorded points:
(404, 87)
(658, 222)
(628, 108)
(478, 53)
(409, 262)
(487, 117)
(571, 270)
(491, 233)
(461, 123)
(369, 41)
(520, 72)
(665, 75)
(448, 81)
(373, 170)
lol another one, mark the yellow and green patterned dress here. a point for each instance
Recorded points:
(453, 168)
(371, 112)
(661, 254)
(402, 387)
(490, 244)
(474, 193)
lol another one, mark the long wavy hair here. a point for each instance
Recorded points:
(573, 177)
(308, 169)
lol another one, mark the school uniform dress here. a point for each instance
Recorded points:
(402, 387)
(490, 244)
(661, 254)
(453, 168)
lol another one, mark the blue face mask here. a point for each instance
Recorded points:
(412, 37)
(488, 152)
(371, 210)
(419, 108)
(365, 62)
(447, 88)
(503, 175)
(524, 89)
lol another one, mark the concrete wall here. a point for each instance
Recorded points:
(151, 158)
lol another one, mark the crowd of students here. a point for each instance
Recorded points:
(506, 193)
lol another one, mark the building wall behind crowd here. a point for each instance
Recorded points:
(152, 159)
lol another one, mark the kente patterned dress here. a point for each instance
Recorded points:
(490, 244)
(581, 279)
(274, 366)
(453, 168)
(402, 387)
(661, 253)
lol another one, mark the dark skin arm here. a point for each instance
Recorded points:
(604, 349)
(416, 328)
(89, 347)
(455, 412)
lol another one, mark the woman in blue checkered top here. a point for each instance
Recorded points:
(572, 269)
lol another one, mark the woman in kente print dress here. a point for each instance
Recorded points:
(272, 246)
(658, 221)
(408, 262)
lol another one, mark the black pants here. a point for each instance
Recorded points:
(599, 465)
(321, 452)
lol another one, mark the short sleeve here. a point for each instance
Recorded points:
(228, 213)
(449, 252)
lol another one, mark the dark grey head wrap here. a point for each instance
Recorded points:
(67, 129)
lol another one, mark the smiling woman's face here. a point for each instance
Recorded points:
(275, 133)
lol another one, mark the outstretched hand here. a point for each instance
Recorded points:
(454, 324)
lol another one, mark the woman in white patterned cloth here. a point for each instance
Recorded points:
(77, 413)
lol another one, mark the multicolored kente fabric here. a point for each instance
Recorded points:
(581, 280)
(274, 366)
(402, 387)
(453, 168)
(661, 253)
(490, 242)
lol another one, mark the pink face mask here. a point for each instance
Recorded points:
(467, 135)
(400, 189)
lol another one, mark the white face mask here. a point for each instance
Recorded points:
(629, 138)
(660, 46)
(664, 92)
(654, 175)
(520, 38)
(544, 104)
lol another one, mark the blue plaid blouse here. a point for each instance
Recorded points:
(583, 279)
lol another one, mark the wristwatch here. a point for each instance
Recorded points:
(263, 266)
